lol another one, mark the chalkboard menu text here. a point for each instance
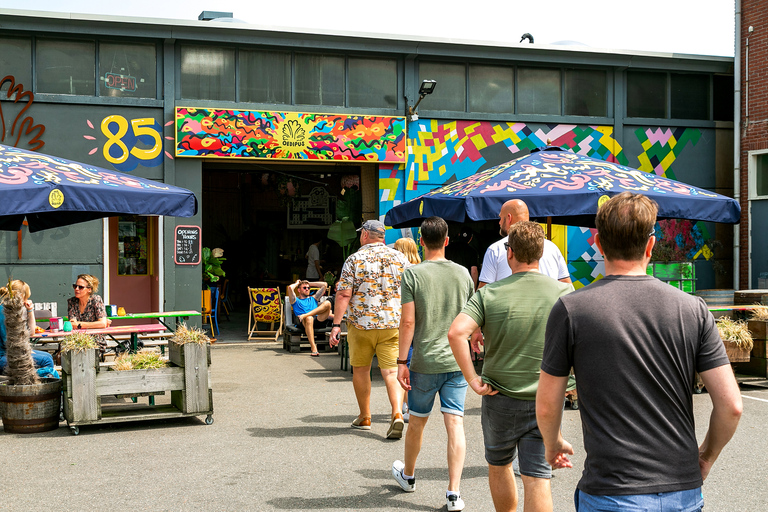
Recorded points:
(187, 245)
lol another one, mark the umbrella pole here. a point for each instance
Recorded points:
(549, 228)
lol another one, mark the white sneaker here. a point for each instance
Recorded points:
(454, 502)
(406, 413)
(408, 485)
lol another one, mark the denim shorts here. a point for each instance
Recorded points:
(679, 501)
(509, 426)
(451, 387)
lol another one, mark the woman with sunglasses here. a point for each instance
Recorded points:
(86, 309)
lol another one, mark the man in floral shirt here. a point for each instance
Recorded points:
(369, 293)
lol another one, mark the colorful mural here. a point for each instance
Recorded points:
(441, 152)
(23, 124)
(289, 135)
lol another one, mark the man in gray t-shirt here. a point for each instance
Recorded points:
(432, 294)
(635, 344)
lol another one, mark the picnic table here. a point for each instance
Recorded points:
(183, 315)
(133, 330)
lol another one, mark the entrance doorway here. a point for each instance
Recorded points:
(265, 217)
(134, 282)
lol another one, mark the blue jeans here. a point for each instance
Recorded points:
(43, 363)
(679, 501)
(451, 387)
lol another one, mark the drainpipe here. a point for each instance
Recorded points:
(737, 141)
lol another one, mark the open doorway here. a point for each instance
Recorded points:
(265, 217)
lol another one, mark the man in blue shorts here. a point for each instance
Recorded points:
(309, 312)
(635, 344)
(512, 313)
(432, 294)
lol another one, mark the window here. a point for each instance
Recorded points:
(16, 61)
(127, 70)
(585, 93)
(372, 83)
(538, 91)
(319, 80)
(132, 245)
(646, 94)
(723, 98)
(66, 67)
(207, 73)
(690, 96)
(451, 89)
(761, 174)
(491, 89)
(265, 77)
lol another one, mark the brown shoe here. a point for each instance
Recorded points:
(396, 427)
(362, 423)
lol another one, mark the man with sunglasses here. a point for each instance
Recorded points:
(512, 313)
(310, 313)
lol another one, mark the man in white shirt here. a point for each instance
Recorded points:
(495, 265)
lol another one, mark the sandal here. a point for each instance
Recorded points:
(314, 354)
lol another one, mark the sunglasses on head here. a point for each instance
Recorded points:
(79, 287)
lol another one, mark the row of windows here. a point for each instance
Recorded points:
(69, 67)
(293, 78)
(257, 76)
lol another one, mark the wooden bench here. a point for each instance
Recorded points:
(294, 338)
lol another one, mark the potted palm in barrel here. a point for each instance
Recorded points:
(28, 403)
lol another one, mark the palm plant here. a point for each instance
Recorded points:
(18, 351)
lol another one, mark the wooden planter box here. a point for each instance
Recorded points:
(188, 380)
(757, 363)
(736, 354)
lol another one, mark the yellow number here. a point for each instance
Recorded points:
(144, 127)
(115, 138)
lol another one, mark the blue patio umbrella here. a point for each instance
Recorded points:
(50, 192)
(564, 186)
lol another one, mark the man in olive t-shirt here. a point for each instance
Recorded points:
(513, 313)
(432, 294)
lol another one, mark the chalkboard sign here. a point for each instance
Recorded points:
(187, 243)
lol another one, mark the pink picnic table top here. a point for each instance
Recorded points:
(121, 329)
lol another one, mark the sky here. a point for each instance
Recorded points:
(699, 27)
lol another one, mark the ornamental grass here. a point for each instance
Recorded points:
(186, 334)
(735, 332)
(78, 342)
(760, 314)
(140, 361)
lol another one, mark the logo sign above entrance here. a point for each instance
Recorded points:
(289, 136)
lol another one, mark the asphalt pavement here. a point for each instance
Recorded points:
(281, 441)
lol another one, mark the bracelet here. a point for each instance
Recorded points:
(402, 361)
(336, 325)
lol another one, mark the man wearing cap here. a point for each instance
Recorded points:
(369, 293)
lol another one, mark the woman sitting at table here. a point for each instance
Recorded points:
(86, 309)
(43, 360)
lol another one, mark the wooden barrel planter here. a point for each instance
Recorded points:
(31, 408)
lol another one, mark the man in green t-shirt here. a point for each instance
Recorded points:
(513, 313)
(432, 294)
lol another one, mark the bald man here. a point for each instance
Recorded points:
(495, 265)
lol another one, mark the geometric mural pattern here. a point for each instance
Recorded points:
(441, 152)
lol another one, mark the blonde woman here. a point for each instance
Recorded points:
(43, 360)
(86, 309)
(408, 247)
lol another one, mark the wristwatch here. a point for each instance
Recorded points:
(402, 361)
(337, 325)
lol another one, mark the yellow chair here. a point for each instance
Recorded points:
(266, 308)
(207, 312)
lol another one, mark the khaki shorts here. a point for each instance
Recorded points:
(382, 342)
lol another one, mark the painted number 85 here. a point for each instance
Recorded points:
(117, 152)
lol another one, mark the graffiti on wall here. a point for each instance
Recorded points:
(22, 124)
(441, 152)
(288, 135)
(129, 142)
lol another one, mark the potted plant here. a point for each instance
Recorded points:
(212, 270)
(737, 339)
(27, 402)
